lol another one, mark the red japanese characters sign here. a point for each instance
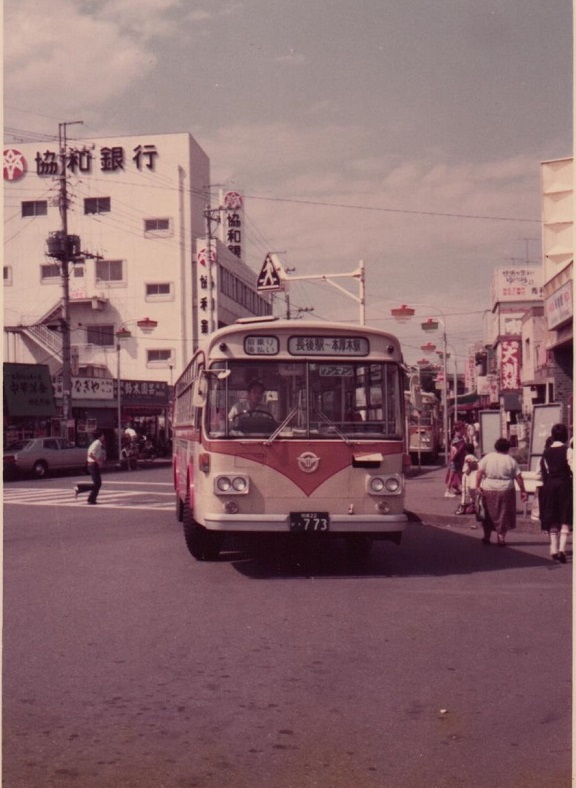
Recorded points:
(510, 365)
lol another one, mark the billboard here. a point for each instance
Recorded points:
(516, 284)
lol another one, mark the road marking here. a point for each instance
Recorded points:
(109, 499)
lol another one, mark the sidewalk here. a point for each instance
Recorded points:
(425, 501)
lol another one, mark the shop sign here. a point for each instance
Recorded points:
(87, 388)
(558, 306)
(153, 392)
(28, 390)
(206, 273)
(509, 365)
(231, 228)
(84, 161)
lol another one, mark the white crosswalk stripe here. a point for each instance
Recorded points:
(110, 499)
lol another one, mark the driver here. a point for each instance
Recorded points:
(253, 403)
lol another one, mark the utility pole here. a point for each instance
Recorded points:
(64, 257)
(211, 215)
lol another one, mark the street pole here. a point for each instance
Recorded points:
(119, 401)
(65, 263)
(445, 393)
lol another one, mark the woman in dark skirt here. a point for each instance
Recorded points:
(497, 472)
(556, 492)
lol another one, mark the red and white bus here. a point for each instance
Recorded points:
(290, 427)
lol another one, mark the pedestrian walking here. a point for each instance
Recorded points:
(456, 460)
(556, 492)
(497, 472)
(95, 459)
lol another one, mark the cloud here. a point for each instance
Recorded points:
(330, 204)
(53, 70)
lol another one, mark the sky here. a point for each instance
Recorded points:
(407, 134)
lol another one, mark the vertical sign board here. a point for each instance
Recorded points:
(206, 289)
(543, 418)
(490, 430)
(231, 226)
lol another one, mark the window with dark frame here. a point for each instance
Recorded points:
(96, 205)
(158, 355)
(158, 289)
(35, 208)
(109, 270)
(49, 271)
(102, 335)
(155, 225)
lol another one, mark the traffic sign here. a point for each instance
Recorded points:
(268, 278)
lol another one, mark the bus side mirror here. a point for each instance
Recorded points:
(415, 392)
(200, 385)
(199, 391)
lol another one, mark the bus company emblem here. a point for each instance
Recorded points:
(308, 462)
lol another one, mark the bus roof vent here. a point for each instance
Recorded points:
(263, 319)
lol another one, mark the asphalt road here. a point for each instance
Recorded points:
(127, 663)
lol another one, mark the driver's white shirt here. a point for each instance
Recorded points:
(243, 406)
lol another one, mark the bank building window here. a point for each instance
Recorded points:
(49, 272)
(35, 208)
(97, 205)
(157, 228)
(159, 291)
(110, 271)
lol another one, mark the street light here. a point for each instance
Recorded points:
(146, 325)
(403, 314)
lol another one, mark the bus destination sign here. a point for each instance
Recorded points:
(328, 346)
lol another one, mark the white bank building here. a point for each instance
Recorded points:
(151, 267)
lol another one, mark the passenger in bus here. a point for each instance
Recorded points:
(252, 404)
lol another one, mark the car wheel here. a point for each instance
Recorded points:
(40, 469)
(203, 545)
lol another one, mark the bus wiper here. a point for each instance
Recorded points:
(337, 430)
(279, 429)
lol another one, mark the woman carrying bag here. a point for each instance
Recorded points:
(497, 472)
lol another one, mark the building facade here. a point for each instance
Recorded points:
(557, 179)
(136, 231)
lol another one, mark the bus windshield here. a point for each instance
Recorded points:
(304, 399)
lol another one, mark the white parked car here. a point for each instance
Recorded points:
(39, 456)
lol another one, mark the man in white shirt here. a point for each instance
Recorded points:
(253, 403)
(95, 459)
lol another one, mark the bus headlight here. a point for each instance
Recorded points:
(230, 485)
(384, 485)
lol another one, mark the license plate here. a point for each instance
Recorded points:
(309, 521)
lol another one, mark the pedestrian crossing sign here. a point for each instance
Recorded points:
(269, 277)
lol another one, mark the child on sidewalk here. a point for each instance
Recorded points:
(469, 469)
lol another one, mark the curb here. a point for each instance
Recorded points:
(468, 521)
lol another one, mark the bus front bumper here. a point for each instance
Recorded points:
(340, 524)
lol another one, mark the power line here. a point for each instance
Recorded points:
(393, 210)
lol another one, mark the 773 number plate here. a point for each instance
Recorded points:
(309, 521)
